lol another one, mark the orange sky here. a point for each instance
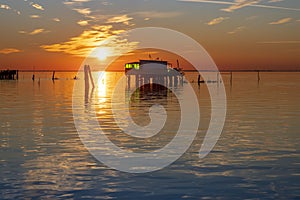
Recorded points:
(238, 34)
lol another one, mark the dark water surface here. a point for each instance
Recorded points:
(256, 157)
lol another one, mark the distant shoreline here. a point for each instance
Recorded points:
(222, 71)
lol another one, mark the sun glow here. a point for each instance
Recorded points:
(102, 53)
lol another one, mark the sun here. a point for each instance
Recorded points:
(102, 53)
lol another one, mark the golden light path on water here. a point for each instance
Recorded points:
(257, 155)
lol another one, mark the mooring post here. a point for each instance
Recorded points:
(128, 81)
(258, 76)
(230, 78)
(53, 75)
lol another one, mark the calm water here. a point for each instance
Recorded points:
(257, 156)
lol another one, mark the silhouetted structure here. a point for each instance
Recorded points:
(9, 75)
(153, 71)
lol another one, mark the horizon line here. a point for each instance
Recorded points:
(188, 70)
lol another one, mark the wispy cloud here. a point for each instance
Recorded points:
(7, 7)
(240, 4)
(120, 19)
(274, 1)
(4, 6)
(252, 18)
(217, 21)
(281, 21)
(159, 15)
(34, 32)
(75, 2)
(37, 31)
(37, 6)
(83, 44)
(9, 51)
(236, 30)
(106, 3)
(83, 23)
(83, 11)
(280, 42)
(35, 16)
(56, 19)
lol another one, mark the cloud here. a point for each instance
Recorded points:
(280, 42)
(252, 18)
(83, 23)
(120, 19)
(34, 32)
(75, 2)
(274, 1)
(154, 14)
(6, 7)
(35, 16)
(9, 51)
(83, 44)
(37, 6)
(217, 21)
(37, 31)
(56, 19)
(281, 21)
(238, 29)
(240, 4)
(83, 11)
(106, 3)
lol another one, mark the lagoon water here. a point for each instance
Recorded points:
(256, 157)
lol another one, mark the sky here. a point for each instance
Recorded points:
(238, 34)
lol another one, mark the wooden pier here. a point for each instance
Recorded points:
(9, 75)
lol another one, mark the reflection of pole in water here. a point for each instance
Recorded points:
(87, 77)
(230, 78)
(86, 84)
(91, 77)
(33, 73)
